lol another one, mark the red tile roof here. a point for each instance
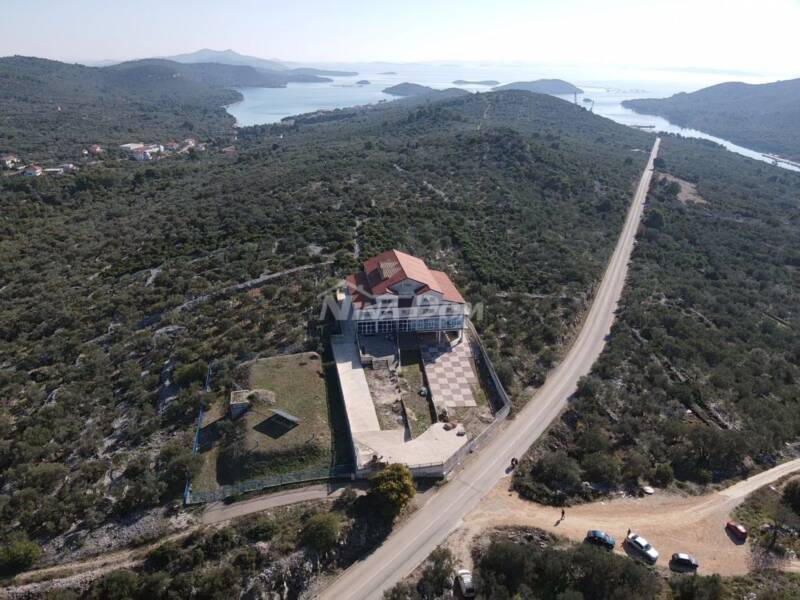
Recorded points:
(389, 268)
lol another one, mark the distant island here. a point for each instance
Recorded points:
(229, 57)
(468, 82)
(765, 117)
(388, 73)
(408, 89)
(362, 82)
(554, 87)
(322, 72)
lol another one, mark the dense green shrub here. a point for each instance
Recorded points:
(321, 531)
(393, 488)
(17, 555)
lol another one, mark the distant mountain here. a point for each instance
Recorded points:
(764, 117)
(408, 89)
(229, 57)
(468, 82)
(553, 87)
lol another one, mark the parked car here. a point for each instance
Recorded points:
(642, 547)
(737, 530)
(465, 583)
(600, 538)
(683, 562)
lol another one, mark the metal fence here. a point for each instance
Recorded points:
(254, 485)
(188, 487)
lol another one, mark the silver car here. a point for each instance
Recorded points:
(465, 583)
(642, 546)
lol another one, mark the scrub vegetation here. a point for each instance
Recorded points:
(700, 379)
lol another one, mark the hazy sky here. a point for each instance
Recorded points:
(746, 35)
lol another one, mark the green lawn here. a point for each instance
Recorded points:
(272, 445)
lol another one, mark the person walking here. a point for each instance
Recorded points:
(563, 514)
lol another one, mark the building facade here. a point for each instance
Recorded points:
(396, 292)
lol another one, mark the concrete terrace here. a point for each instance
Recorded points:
(434, 447)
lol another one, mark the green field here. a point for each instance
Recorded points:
(262, 443)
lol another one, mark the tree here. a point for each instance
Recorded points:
(663, 474)
(654, 219)
(321, 532)
(401, 591)
(436, 573)
(260, 528)
(507, 561)
(791, 495)
(558, 471)
(18, 555)
(393, 487)
(601, 468)
(697, 587)
(117, 585)
(186, 374)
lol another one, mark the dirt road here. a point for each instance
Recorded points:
(672, 523)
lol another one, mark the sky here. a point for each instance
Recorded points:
(731, 35)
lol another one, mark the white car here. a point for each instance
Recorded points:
(642, 546)
(465, 583)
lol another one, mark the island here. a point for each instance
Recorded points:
(388, 73)
(486, 82)
(362, 82)
(322, 72)
(554, 87)
(408, 89)
(764, 117)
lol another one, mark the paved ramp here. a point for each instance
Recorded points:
(357, 400)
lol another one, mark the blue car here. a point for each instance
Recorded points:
(600, 538)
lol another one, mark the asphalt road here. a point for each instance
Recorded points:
(411, 543)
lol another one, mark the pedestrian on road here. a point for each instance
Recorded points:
(563, 514)
(629, 532)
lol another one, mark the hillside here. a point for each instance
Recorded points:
(764, 117)
(554, 87)
(700, 379)
(53, 109)
(521, 209)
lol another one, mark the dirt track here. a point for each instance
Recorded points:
(672, 523)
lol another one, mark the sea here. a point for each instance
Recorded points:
(604, 90)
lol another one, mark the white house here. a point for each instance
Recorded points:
(32, 171)
(8, 161)
(132, 147)
(397, 292)
(141, 155)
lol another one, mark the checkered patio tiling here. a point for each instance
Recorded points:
(450, 374)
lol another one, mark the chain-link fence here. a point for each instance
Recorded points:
(254, 485)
